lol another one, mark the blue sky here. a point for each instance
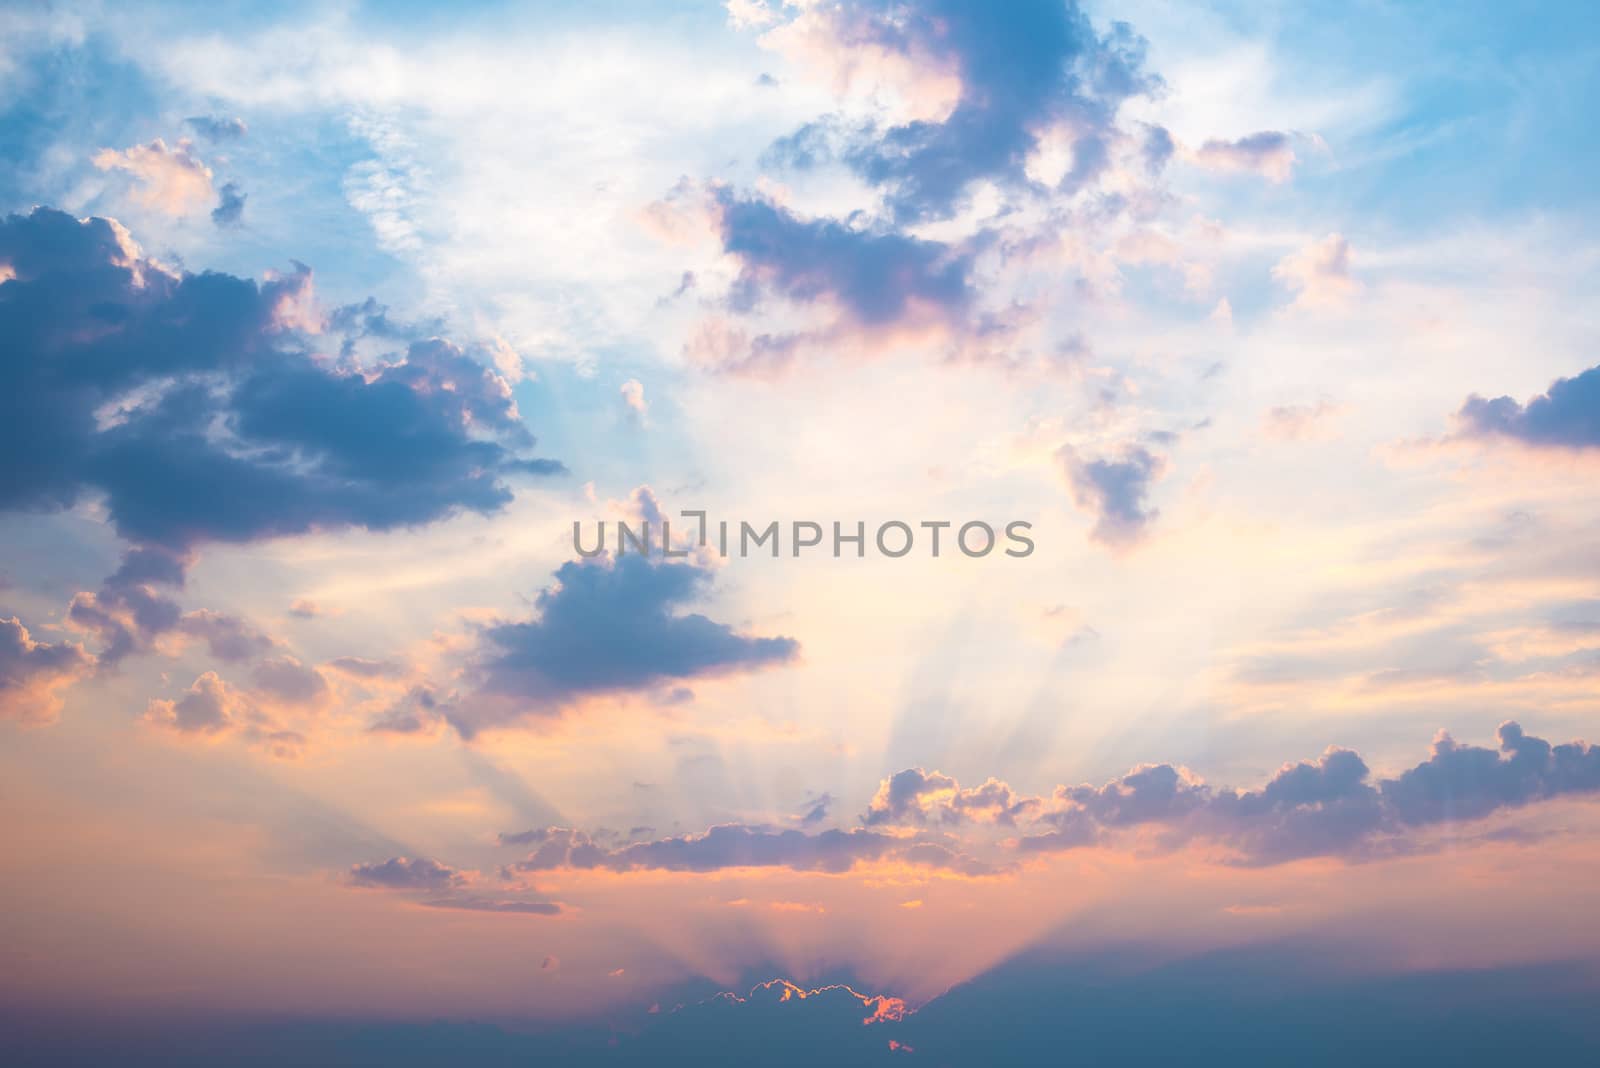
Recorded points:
(326, 324)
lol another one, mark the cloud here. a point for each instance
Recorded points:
(1019, 101)
(608, 626)
(1319, 274)
(1332, 806)
(171, 180)
(1148, 793)
(632, 393)
(984, 81)
(916, 797)
(1115, 490)
(1269, 153)
(735, 845)
(230, 205)
(209, 706)
(473, 903)
(192, 406)
(211, 709)
(866, 283)
(129, 613)
(876, 278)
(418, 713)
(816, 809)
(228, 638)
(1566, 416)
(31, 673)
(1464, 782)
(217, 128)
(365, 668)
(405, 873)
(287, 680)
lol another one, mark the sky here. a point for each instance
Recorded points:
(1177, 422)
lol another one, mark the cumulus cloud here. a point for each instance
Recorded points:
(1333, 806)
(32, 672)
(915, 796)
(1116, 490)
(1268, 153)
(1566, 416)
(608, 626)
(130, 612)
(1019, 101)
(190, 404)
(985, 81)
(1463, 782)
(633, 402)
(406, 873)
(1319, 274)
(170, 180)
(209, 706)
(212, 709)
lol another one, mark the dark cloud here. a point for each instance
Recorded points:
(230, 205)
(1305, 810)
(217, 128)
(150, 565)
(1463, 782)
(735, 845)
(1115, 490)
(418, 712)
(1025, 73)
(878, 278)
(129, 612)
(874, 284)
(31, 671)
(1566, 416)
(126, 616)
(288, 680)
(191, 405)
(816, 809)
(1329, 807)
(406, 873)
(607, 627)
(1145, 794)
(1023, 67)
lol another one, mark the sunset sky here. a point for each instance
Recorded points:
(322, 325)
